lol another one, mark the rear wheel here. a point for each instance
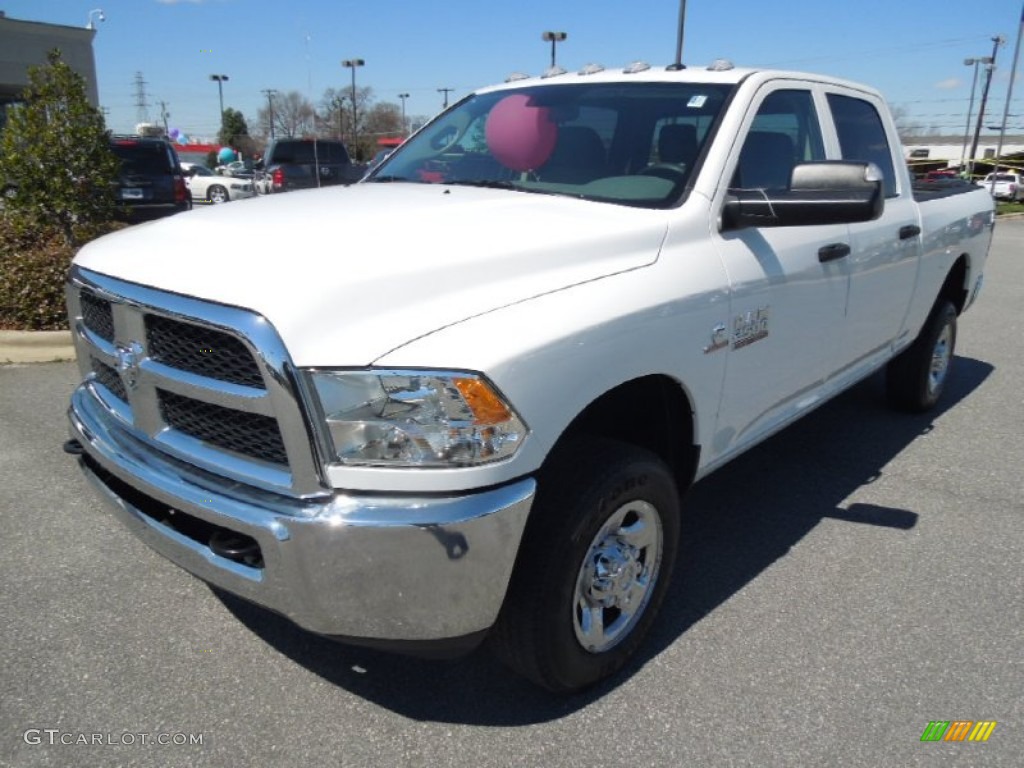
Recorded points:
(217, 194)
(594, 565)
(916, 378)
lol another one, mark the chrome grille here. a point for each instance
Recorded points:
(210, 385)
(97, 316)
(109, 377)
(201, 350)
(249, 434)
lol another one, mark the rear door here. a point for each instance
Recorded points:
(885, 253)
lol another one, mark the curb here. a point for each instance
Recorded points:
(36, 346)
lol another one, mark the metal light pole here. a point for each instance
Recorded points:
(220, 91)
(445, 91)
(989, 69)
(970, 109)
(352, 64)
(554, 38)
(403, 97)
(270, 93)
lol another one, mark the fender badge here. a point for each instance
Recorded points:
(719, 339)
(749, 327)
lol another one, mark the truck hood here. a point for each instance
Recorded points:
(348, 274)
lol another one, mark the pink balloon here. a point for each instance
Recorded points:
(521, 136)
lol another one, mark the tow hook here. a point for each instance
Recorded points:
(237, 548)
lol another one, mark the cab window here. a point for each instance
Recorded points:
(785, 131)
(862, 136)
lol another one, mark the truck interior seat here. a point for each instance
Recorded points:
(578, 157)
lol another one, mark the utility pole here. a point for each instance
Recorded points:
(996, 42)
(164, 114)
(445, 91)
(1009, 95)
(270, 93)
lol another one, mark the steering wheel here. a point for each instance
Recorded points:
(668, 171)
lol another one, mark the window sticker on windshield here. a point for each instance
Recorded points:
(696, 102)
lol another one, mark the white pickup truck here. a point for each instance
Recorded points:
(464, 397)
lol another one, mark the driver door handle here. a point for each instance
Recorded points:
(833, 252)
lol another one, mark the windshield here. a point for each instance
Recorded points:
(628, 143)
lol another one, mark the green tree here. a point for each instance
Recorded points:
(55, 151)
(234, 133)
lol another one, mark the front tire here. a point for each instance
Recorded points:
(916, 378)
(217, 194)
(594, 565)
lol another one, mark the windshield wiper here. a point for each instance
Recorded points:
(388, 178)
(486, 183)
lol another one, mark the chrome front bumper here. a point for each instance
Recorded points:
(366, 567)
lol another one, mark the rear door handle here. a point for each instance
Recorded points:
(833, 252)
(909, 231)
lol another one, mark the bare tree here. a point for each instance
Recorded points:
(294, 116)
(906, 126)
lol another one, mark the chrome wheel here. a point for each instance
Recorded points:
(218, 194)
(941, 354)
(617, 576)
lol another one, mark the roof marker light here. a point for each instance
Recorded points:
(591, 69)
(517, 76)
(554, 72)
(636, 66)
(720, 65)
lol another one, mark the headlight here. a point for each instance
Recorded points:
(416, 418)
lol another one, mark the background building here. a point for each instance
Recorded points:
(24, 44)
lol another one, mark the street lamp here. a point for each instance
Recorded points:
(98, 13)
(352, 64)
(987, 60)
(403, 97)
(554, 38)
(220, 91)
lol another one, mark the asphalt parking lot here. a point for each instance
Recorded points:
(843, 585)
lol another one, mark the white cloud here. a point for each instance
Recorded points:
(949, 85)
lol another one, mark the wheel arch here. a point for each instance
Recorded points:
(654, 412)
(955, 286)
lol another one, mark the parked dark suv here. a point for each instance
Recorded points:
(305, 163)
(151, 183)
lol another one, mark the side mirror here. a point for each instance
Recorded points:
(827, 192)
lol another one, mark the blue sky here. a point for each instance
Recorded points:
(912, 50)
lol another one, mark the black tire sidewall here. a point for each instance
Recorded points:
(637, 475)
(909, 374)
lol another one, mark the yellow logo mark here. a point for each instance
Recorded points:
(982, 731)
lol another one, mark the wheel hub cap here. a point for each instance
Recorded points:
(617, 576)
